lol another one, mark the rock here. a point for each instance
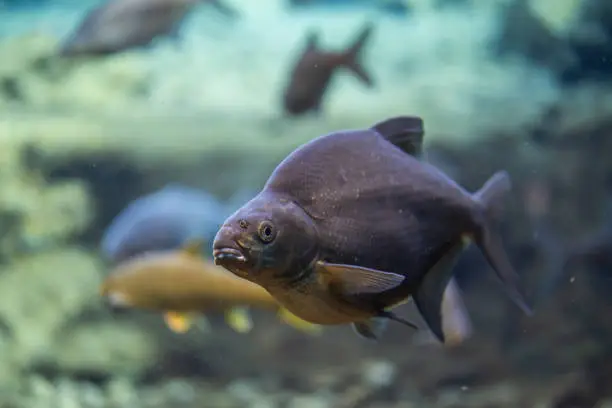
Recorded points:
(105, 349)
(37, 214)
(311, 401)
(122, 393)
(38, 295)
(119, 393)
(379, 373)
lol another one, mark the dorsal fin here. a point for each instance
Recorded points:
(405, 132)
(193, 247)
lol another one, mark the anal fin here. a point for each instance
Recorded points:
(456, 322)
(371, 329)
(430, 294)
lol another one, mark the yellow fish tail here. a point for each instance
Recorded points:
(178, 322)
(300, 324)
(238, 319)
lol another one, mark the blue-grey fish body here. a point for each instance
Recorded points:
(119, 25)
(164, 220)
(353, 223)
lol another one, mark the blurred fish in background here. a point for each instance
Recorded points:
(166, 219)
(393, 7)
(311, 75)
(184, 286)
(119, 25)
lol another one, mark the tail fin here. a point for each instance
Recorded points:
(491, 197)
(351, 56)
(493, 194)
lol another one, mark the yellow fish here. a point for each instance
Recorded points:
(183, 285)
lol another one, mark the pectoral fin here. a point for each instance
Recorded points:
(300, 324)
(371, 329)
(238, 319)
(356, 280)
(430, 294)
(178, 322)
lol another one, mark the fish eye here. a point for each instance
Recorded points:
(243, 224)
(266, 231)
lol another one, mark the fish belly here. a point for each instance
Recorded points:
(321, 309)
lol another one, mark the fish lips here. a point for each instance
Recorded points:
(230, 258)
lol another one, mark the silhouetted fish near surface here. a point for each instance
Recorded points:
(165, 219)
(182, 285)
(119, 25)
(395, 7)
(352, 223)
(314, 69)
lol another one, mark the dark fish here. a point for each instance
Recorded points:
(352, 223)
(313, 71)
(119, 25)
(393, 7)
(165, 219)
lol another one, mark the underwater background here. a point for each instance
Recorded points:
(520, 85)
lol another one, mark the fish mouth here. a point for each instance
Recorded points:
(116, 302)
(223, 255)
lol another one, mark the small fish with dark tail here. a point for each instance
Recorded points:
(120, 25)
(354, 223)
(312, 74)
(183, 286)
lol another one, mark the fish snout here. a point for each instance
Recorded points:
(116, 302)
(227, 252)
